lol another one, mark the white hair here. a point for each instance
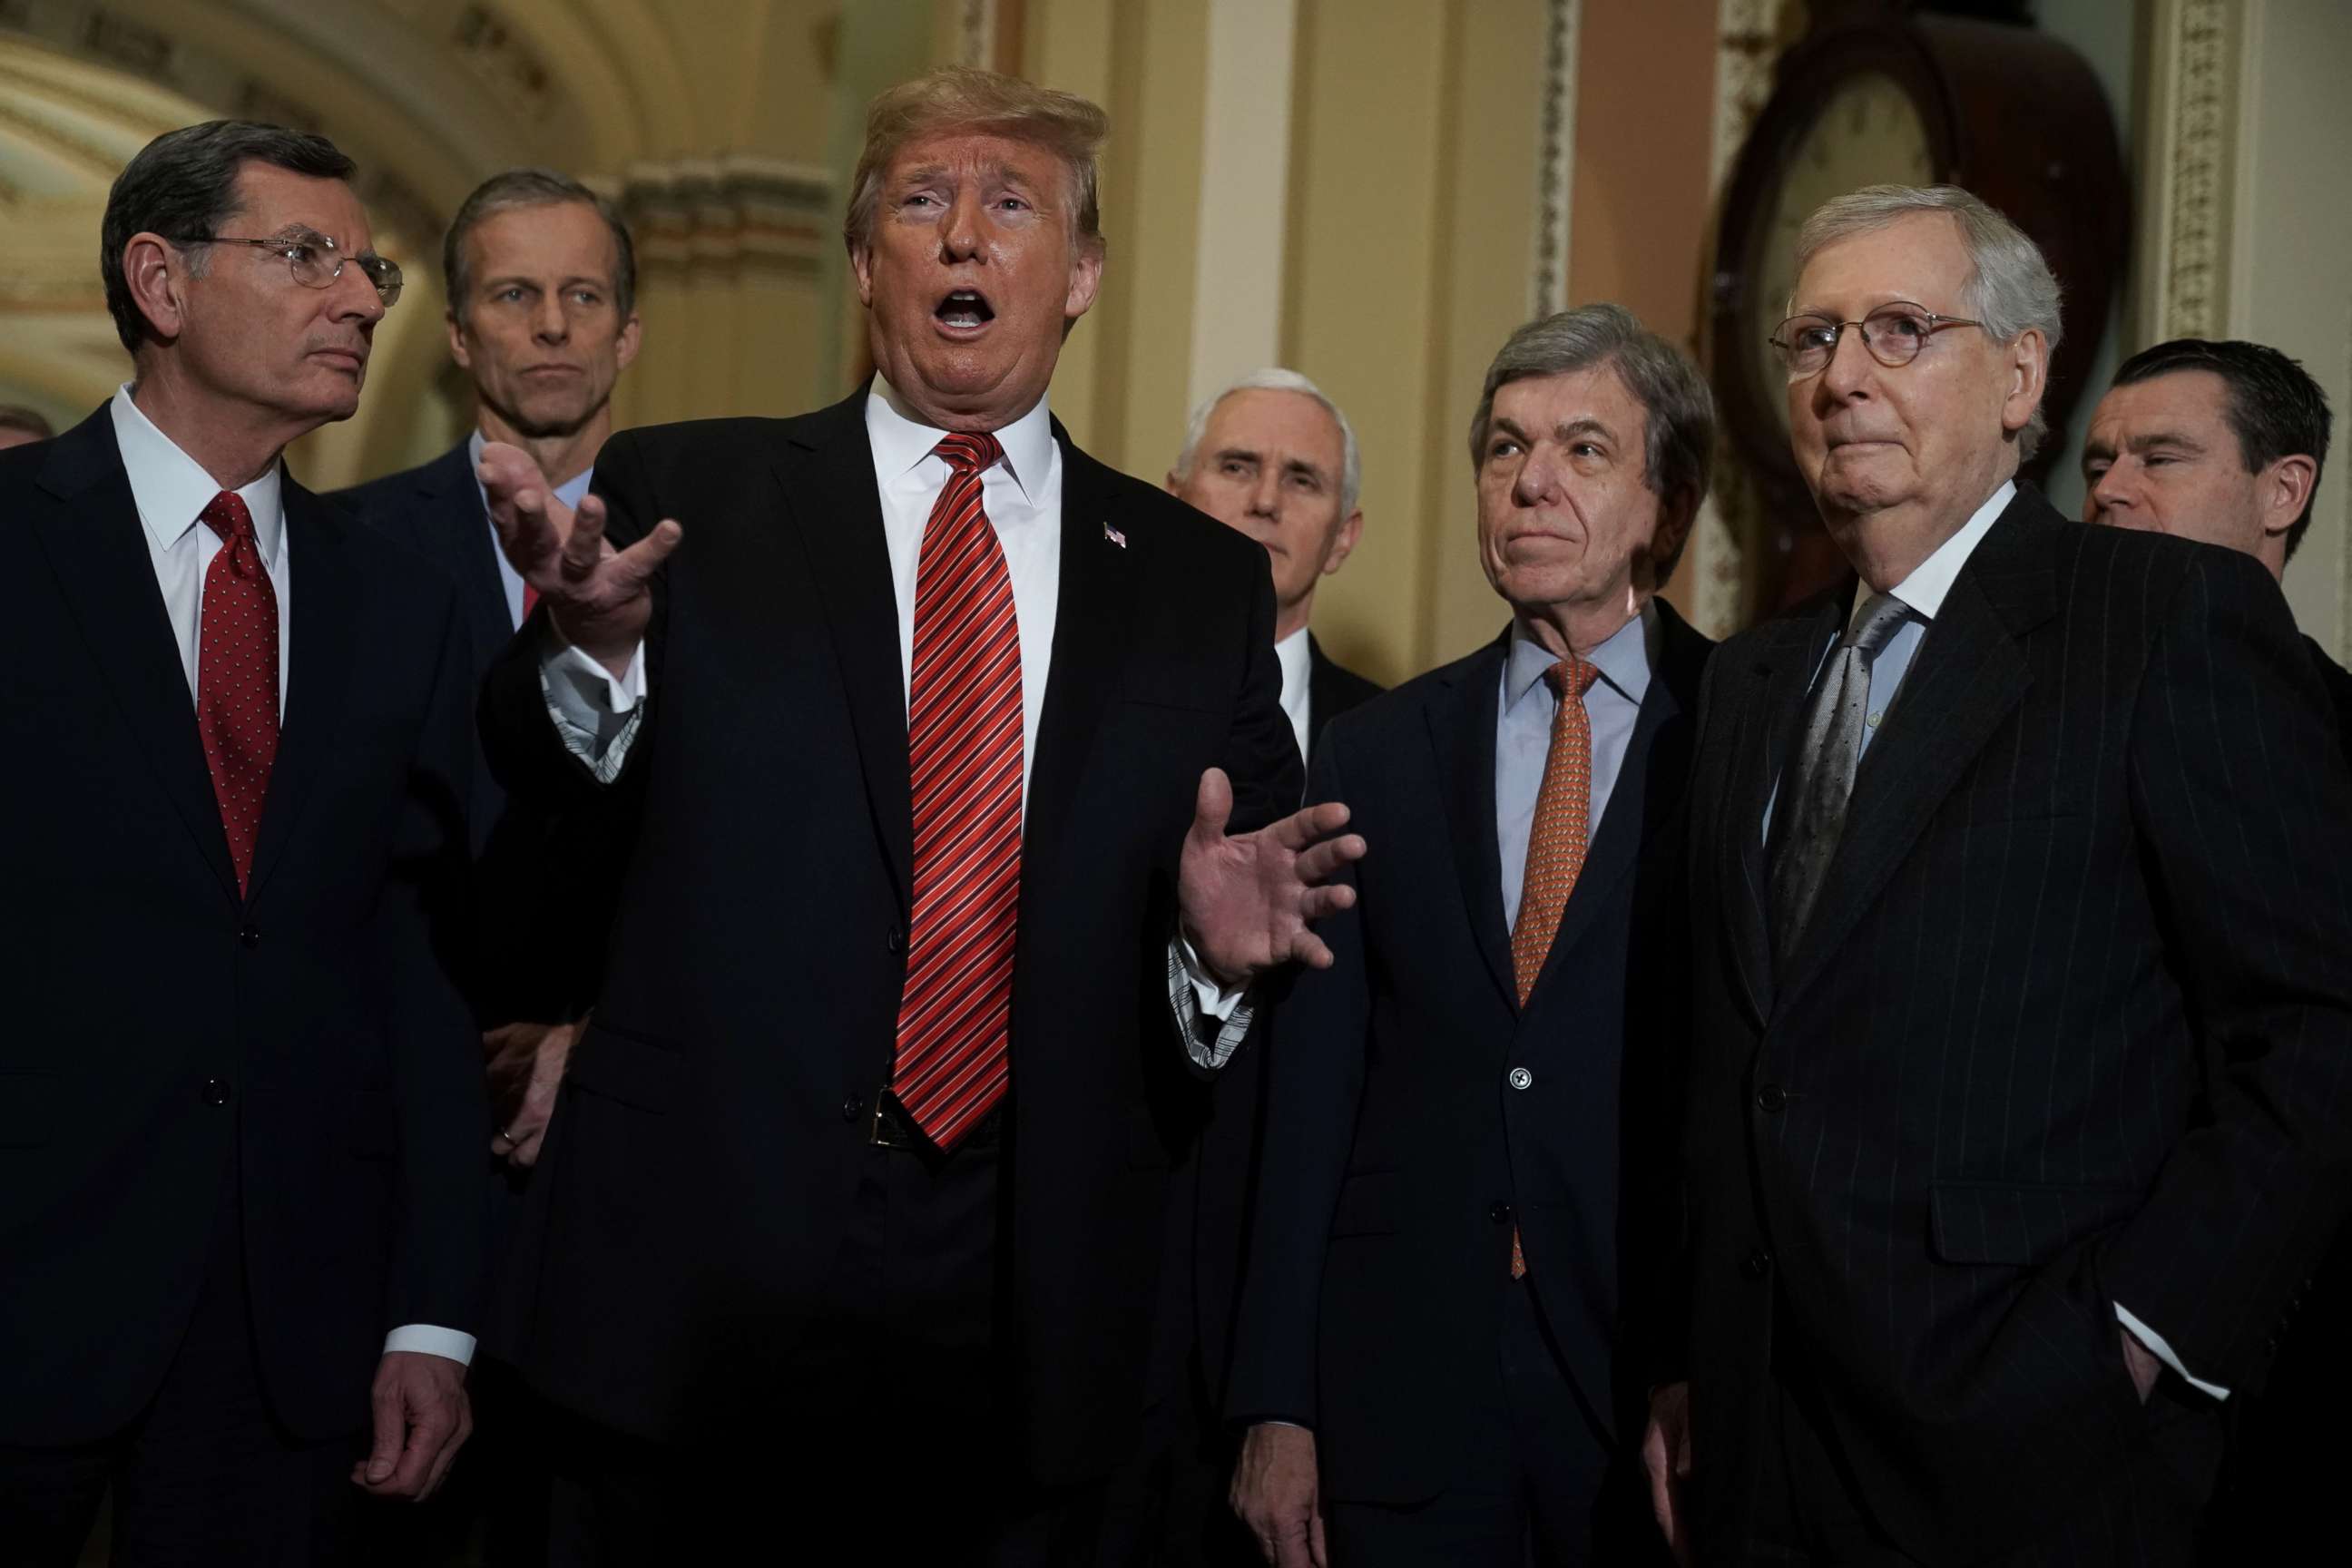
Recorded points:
(1276, 379)
(2010, 289)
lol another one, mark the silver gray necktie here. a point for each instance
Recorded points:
(1822, 780)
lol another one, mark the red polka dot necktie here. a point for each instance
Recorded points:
(1557, 840)
(236, 677)
(963, 757)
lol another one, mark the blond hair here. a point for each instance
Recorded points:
(969, 99)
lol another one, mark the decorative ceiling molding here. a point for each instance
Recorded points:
(2202, 133)
(976, 33)
(1555, 158)
(704, 217)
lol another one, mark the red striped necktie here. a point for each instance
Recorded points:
(236, 677)
(963, 757)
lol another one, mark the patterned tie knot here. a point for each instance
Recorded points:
(970, 453)
(1572, 670)
(227, 515)
(1881, 617)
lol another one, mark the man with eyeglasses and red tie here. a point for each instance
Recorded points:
(2019, 964)
(241, 1104)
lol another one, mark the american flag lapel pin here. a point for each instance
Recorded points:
(1114, 535)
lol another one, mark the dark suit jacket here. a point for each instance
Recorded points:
(1399, 1153)
(1331, 691)
(166, 1031)
(2066, 1029)
(1209, 1222)
(541, 920)
(750, 1008)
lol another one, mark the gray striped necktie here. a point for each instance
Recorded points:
(1822, 780)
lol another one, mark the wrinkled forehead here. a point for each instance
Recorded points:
(1276, 418)
(271, 201)
(1921, 258)
(2190, 401)
(978, 152)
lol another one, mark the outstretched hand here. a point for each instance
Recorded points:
(598, 596)
(1246, 899)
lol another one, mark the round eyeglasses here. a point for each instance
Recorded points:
(1893, 333)
(316, 263)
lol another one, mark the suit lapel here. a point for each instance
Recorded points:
(1461, 714)
(826, 471)
(459, 535)
(1093, 619)
(322, 657)
(1967, 675)
(1769, 705)
(98, 550)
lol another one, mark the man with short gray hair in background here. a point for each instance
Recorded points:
(1468, 1114)
(2015, 1114)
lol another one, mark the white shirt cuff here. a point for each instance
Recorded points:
(423, 1339)
(1195, 1001)
(2163, 1353)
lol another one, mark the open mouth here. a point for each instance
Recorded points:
(965, 309)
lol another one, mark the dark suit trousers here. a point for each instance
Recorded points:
(893, 1440)
(1538, 1482)
(1811, 1511)
(205, 1476)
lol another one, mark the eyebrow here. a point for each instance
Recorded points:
(1568, 429)
(517, 279)
(2142, 443)
(1289, 465)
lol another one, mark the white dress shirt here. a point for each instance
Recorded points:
(1297, 658)
(598, 715)
(171, 491)
(1924, 592)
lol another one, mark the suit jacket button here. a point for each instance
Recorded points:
(215, 1091)
(896, 940)
(1500, 1213)
(1757, 1264)
(851, 1107)
(1771, 1100)
(1521, 1077)
(249, 937)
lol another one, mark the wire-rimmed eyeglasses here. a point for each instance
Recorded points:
(316, 263)
(1893, 333)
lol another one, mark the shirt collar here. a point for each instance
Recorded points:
(901, 440)
(569, 492)
(1624, 659)
(172, 489)
(1932, 579)
(1292, 653)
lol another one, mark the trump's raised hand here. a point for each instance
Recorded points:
(1246, 900)
(598, 596)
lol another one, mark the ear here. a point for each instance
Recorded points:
(2027, 364)
(157, 274)
(1086, 277)
(631, 330)
(458, 349)
(1344, 541)
(2285, 489)
(1675, 519)
(861, 262)
(1171, 484)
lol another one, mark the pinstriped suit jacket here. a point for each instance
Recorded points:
(2071, 1025)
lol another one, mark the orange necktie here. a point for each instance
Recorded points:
(1555, 841)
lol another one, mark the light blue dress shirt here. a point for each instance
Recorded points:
(1523, 720)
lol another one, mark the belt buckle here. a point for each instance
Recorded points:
(886, 1131)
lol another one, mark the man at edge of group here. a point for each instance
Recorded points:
(2013, 1125)
(241, 1107)
(1467, 1219)
(835, 1141)
(2225, 442)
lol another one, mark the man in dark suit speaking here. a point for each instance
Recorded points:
(2021, 959)
(850, 1212)
(241, 1109)
(1428, 1347)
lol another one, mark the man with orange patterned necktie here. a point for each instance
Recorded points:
(1428, 1348)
